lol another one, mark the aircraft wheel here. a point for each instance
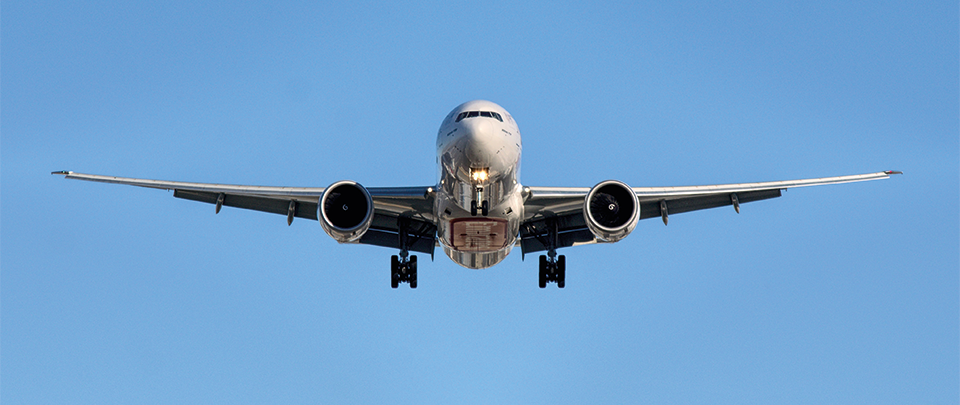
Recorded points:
(485, 208)
(543, 271)
(394, 271)
(412, 273)
(561, 271)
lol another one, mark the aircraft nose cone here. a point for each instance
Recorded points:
(478, 139)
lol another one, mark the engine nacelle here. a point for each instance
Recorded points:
(611, 210)
(345, 211)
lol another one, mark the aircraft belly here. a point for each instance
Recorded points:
(472, 260)
(478, 242)
(478, 234)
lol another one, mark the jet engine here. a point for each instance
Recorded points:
(611, 210)
(345, 211)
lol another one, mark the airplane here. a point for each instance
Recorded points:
(478, 211)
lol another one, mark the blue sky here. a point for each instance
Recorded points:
(837, 294)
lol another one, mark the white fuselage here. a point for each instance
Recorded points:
(478, 157)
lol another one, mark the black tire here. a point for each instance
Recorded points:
(412, 270)
(394, 271)
(561, 271)
(543, 271)
(473, 208)
(485, 208)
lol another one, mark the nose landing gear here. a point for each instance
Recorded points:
(484, 208)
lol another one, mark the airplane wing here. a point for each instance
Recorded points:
(395, 208)
(562, 207)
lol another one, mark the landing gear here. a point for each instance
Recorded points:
(484, 208)
(553, 270)
(403, 270)
(403, 267)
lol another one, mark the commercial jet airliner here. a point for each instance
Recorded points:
(478, 211)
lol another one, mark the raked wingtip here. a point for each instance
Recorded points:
(62, 172)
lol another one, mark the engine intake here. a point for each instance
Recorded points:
(611, 210)
(345, 211)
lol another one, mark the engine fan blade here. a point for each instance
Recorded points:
(605, 209)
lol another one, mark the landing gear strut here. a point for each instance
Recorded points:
(553, 269)
(403, 270)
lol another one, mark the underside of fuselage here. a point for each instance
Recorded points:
(478, 202)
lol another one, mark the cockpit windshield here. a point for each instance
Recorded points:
(471, 114)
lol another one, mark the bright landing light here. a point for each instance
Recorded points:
(478, 175)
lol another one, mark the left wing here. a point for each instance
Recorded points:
(561, 208)
(395, 208)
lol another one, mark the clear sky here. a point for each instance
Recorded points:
(836, 294)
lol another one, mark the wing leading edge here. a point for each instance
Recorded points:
(560, 209)
(395, 208)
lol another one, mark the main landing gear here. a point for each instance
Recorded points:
(553, 269)
(403, 271)
(403, 268)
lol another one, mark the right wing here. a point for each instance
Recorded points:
(562, 207)
(395, 208)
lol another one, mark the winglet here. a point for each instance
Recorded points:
(63, 172)
(893, 172)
